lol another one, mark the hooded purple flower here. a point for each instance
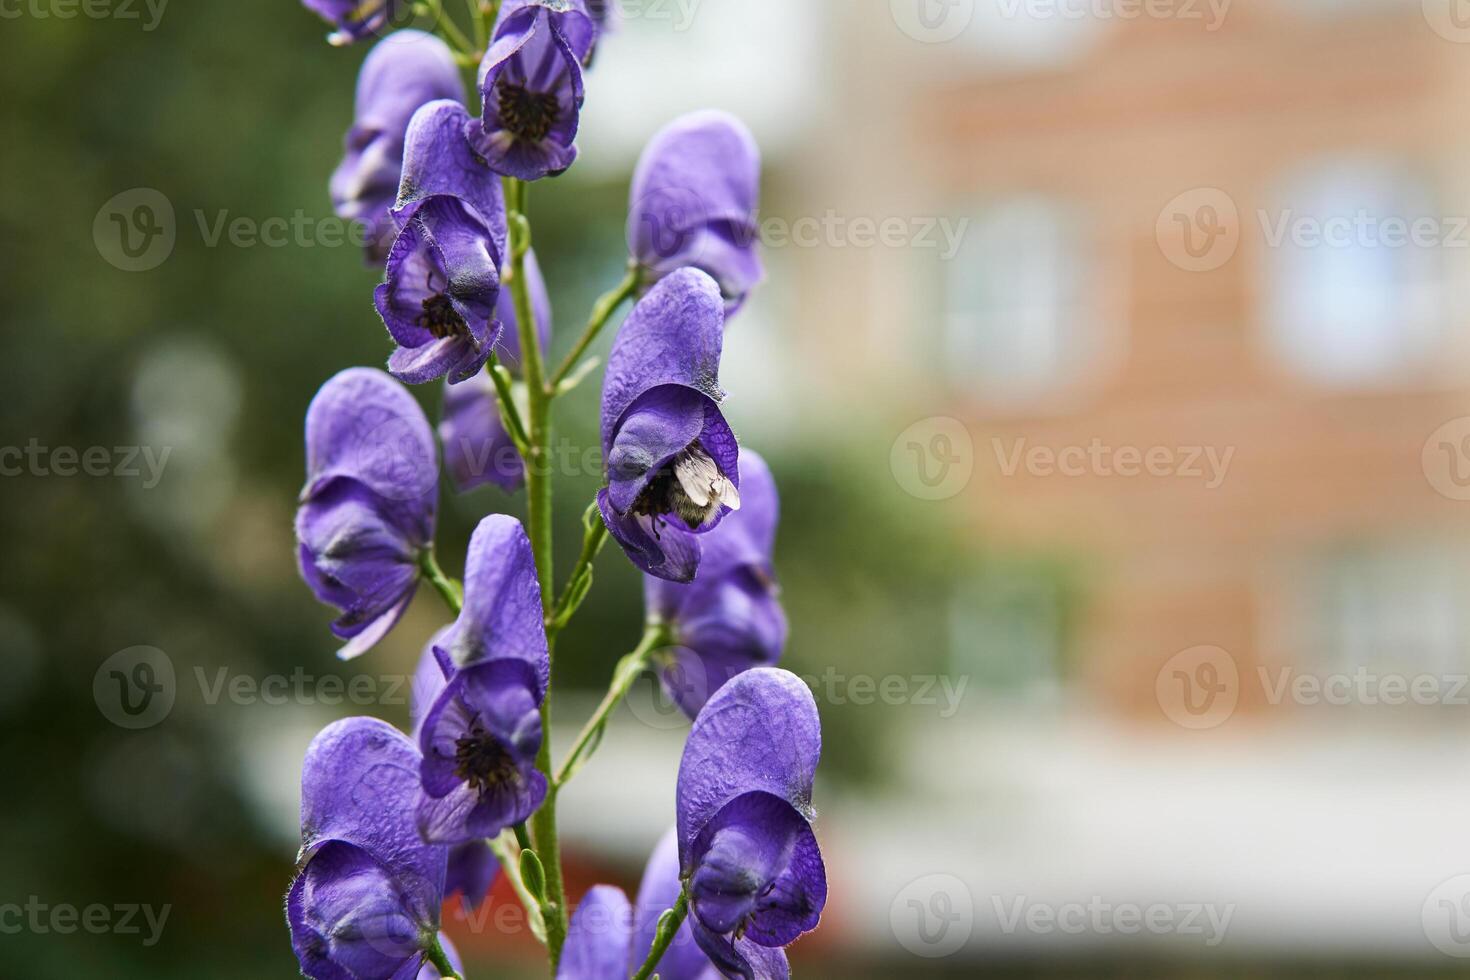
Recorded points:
(481, 734)
(728, 619)
(477, 449)
(597, 938)
(531, 85)
(672, 461)
(443, 280)
(367, 510)
(365, 901)
(356, 19)
(472, 865)
(402, 72)
(746, 848)
(694, 200)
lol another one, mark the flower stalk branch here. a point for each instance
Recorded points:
(450, 589)
(602, 311)
(668, 925)
(626, 672)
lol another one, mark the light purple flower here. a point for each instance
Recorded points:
(481, 734)
(401, 73)
(672, 461)
(477, 449)
(531, 87)
(366, 897)
(746, 848)
(597, 938)
(729, 619)
(683, 960)
(356, 19)
(472, 865)
(443, 278)
(367, 511)
(694, 199)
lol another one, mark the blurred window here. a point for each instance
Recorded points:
(1019, 322)
(1390, 608)
(1006, 632)
(1353, 257)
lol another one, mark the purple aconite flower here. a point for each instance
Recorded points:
(356, 19)
(597, 938)
(366, 898)
(443, 280)
(729, 619)
(477, 448)
(367, 511)
(472, 865)
(481, 734)
(694, 200)
(746, 848)
(531, 84)
(402, 72)
(672, 461)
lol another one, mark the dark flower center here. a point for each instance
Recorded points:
(525, 114)
(691, 486)
(482, 761)
(441, 319)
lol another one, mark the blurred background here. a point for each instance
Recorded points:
(1112, 363)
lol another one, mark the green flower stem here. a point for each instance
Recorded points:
(538, 521)
(626, 672)
(593, 538)
(449, 588)
(602, 311)
(436, 956)
(444, 25)
(508, 854)
(509, 414)
(668, 925)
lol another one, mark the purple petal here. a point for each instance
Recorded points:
(673, 336)
(400, 74)
(597, 939)
(502, 617)
(359, 784)
(439, 162)
(355, 19)
(349, 918)
(477, 448)
(429, 677)
(471, 872)
(683, 960)
(365, 426)
(758, 733)
(661, 549)
(695, 195)
(659, 425)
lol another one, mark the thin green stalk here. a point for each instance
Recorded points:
(437, 956)
(446, 26)
(510, 862)
(602, 311)
(668, 925)
(449, 588)
(593, 538)
(509, 414)
(538, 520)
(626, 672)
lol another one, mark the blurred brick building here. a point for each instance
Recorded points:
(1206, 319)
